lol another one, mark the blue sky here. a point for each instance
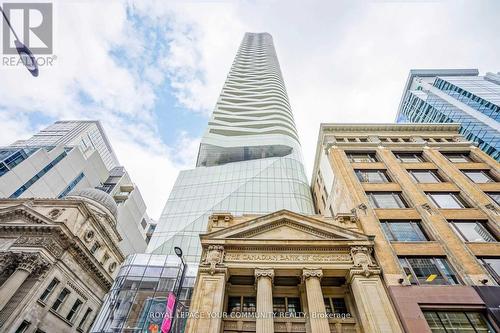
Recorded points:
(151, 71)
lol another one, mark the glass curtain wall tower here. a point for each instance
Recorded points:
(249, 160)
(456, 96)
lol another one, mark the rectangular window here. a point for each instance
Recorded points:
(479, 176)
(49, 289)
(39, 175)
(457, 321)
(60, 299)
(447, 200)
(403, 231)
(492, 265)
(386, 199)
(234, 304)
(428, 270)
(495, 196)
(74, 309)
(23, 327)
(279, 305)
(425, 176)
(84, 318)
(457, 157)
(293, 305)
(472, 231)
(95, 247)
(372, 176)
(249, 304)
(335, 305)
(362, 157)
(409, 157)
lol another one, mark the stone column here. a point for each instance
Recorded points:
(208, 302)
(315, 302)
(27, 263)
(375, 310)
(264, 280)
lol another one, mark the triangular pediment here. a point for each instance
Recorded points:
(285, 225)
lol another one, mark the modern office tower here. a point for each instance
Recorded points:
(58, 259)
(249, 160)
(69, 156)
(430, 199)
(86, 134)
(455, 96)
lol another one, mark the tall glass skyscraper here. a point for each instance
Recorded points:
(249, 160)
(455, 96)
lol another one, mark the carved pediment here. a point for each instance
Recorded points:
(285, 225)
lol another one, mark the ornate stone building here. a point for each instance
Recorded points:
(58, 259)
(287, 272)
(430, 200)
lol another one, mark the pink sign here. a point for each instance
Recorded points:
(168, 319)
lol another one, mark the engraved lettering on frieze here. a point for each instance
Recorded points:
(290, 257)
(40, 241)
(214, 256)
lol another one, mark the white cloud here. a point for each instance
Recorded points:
(342, 62)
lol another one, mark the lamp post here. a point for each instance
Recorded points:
(177, 292)
(27, 57)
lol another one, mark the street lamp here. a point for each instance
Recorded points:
(177, 292)
(27, 57)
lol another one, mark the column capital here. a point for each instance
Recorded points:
(30, 262)
(264, 273)
(312, 273)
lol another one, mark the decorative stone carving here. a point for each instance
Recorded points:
(363, 263)
(427, 208)
(492, 208)
(312, 273)
(264, 273)
(363, 207)
(46, 242)
(29, 261)
(7, 259)
(55, 213)
(214, 256)
(112, 267)
(89, 235)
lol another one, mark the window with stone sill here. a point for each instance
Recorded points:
(84, 318)
(403, 231)
(74, 309)
(457, 321)
(479, 176)
(457, 157)
(286, 305)
(50, 288)
(335, 305)
(472, 231)
(495, 196)
(355, 157)
(447, 200)
(492, 265)
(372, 176)
(23, 327)
(60, 299)
(409, 157)
(428, 271)
(387, 200)
(241, 304)
(425, 176)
